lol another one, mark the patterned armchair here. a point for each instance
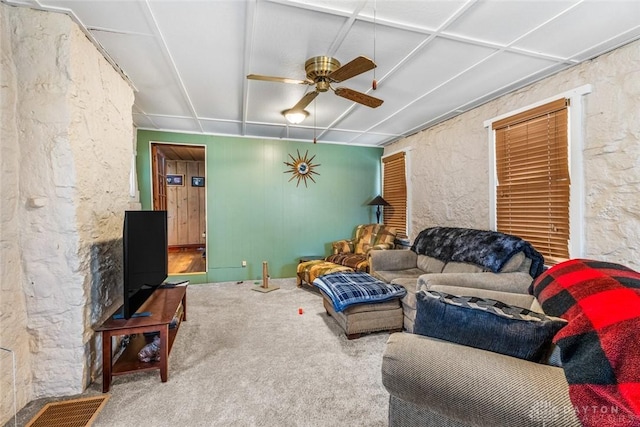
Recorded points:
(354, 252)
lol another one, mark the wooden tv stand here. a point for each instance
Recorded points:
(163, 305)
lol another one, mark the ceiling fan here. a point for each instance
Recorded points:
(322, 71)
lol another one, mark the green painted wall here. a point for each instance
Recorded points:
(255, 213)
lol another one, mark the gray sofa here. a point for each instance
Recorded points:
(433, 267)
(439, 383)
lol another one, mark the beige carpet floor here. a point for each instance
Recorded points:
(244, 358)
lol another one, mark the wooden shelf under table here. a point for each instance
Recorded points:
(163, 305)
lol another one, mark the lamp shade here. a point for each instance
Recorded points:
(379, 201)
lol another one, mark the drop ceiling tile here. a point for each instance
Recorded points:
(421, 14)
(169, 103)
(610, 44)
(176, 124)
(337, 134)
(487, 80)
(343, 7)
(359, 119)
(285, 37)
(264, 131)
(499, 71)
(504, 21)
(426, 70)
(396, 44)
(598, 20)
(203, 41)
(298, 133)
(154, 77)
(221, 127)
(423, 110)
(371, 139)
(141, 121)
(117, 16)
(438, 62)
(405, 13)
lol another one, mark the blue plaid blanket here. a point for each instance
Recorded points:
(349, 288)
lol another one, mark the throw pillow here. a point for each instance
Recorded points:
(486, 324)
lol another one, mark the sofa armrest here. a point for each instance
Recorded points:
(392, 260)
(475, 387)
(382, 247)
(343, 246)
(516, 282)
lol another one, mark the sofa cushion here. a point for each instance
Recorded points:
(429, 264)
(342, 246)
(461, 267)
(506, 282)
(370, 235)
(358, 262)
(391, 275)
(515, 263)
(398, 259)
(486, 324)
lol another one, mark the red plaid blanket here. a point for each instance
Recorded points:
(600, 345)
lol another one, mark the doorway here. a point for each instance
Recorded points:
(179, 187)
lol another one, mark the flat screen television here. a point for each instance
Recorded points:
(145, 259)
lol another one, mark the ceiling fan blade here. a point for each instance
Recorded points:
(352, 69)
(306, 100)
(359, 97)
(278, 79)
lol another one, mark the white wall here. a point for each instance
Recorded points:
(66, 153)
(450, 161)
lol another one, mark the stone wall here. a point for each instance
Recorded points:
(67, 143)
(450, 162)
(13, 312)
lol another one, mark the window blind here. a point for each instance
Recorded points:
(394, 191)
(533, 182)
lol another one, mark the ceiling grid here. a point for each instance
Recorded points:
(188, 61)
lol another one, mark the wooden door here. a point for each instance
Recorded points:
(159, 174)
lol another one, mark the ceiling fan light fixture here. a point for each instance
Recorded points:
(294, 116)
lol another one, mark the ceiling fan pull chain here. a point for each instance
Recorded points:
(314, 122)
(374, 84)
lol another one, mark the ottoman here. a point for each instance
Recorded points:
(365, 318)
(309, 270)
(360, 303)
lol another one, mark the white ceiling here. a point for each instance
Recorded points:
(188, 60)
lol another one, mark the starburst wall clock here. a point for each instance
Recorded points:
(302, 168)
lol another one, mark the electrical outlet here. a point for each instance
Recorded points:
(244, 263)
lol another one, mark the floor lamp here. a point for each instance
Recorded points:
(378, 201)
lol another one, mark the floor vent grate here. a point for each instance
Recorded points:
(70, 413)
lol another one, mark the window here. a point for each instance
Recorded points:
(532, 178)
(394, 191)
